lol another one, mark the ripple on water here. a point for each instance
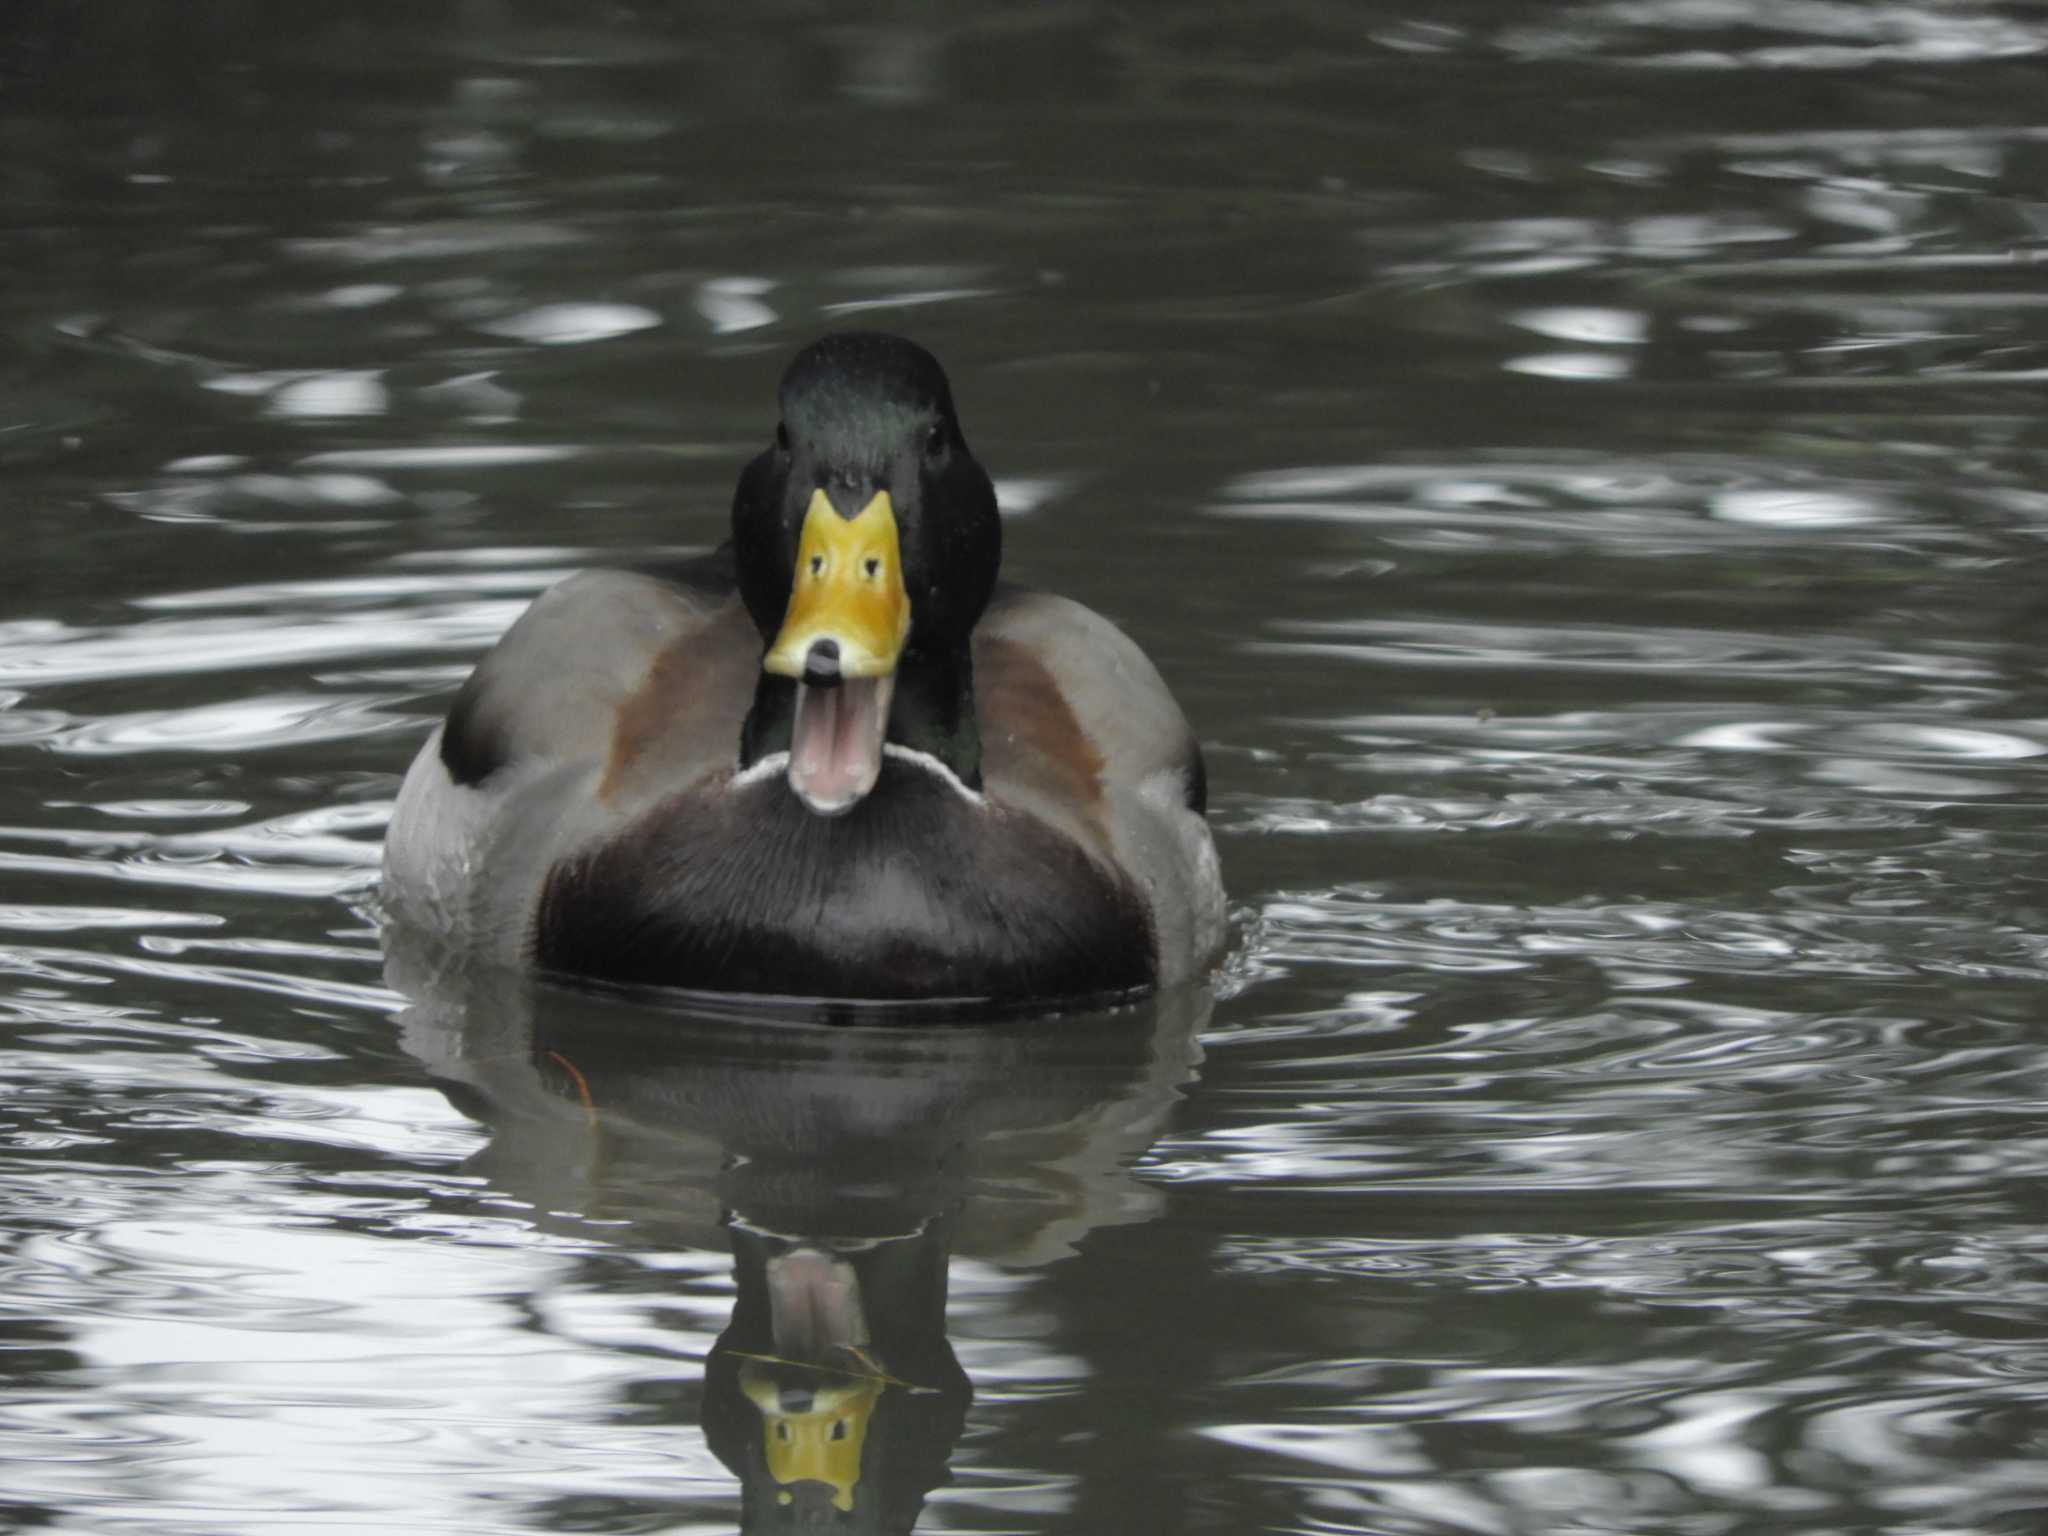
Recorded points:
(1778, 1379)
(1731, 35)
(184, 647)
(425, 1399)
(248, 723)
(1643, 510)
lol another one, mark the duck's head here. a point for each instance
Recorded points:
(867, 542)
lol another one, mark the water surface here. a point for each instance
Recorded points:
(1581, 466)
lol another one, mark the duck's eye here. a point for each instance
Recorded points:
(781, 437)
(935, 440)
(873, 566)
(817, 565)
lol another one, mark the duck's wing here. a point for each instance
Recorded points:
(612, 688)
(1079, 729)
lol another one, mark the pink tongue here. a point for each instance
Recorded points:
(835, 748)
(814, 1304)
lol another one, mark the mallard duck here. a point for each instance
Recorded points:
(838, 758)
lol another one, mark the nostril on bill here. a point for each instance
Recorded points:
(821, 664)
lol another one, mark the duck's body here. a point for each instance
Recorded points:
(708, 781)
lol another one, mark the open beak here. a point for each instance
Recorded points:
(847, 620)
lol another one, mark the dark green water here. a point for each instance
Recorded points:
(1584, 467)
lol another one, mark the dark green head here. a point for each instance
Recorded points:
(864, 412)
(866, 540)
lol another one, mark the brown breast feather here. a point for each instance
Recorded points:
(685, 715)
(1031, 739)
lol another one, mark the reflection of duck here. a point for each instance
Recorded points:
(834, 1390)
(843, 1167)
(835, 759)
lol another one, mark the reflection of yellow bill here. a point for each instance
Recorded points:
(848, 588)
(821, 1445)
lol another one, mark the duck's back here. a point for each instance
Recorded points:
(609, 691)
(1078, 728)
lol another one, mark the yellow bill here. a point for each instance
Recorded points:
(848, 589)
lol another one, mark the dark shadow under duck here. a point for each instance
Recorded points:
(841, 1167)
